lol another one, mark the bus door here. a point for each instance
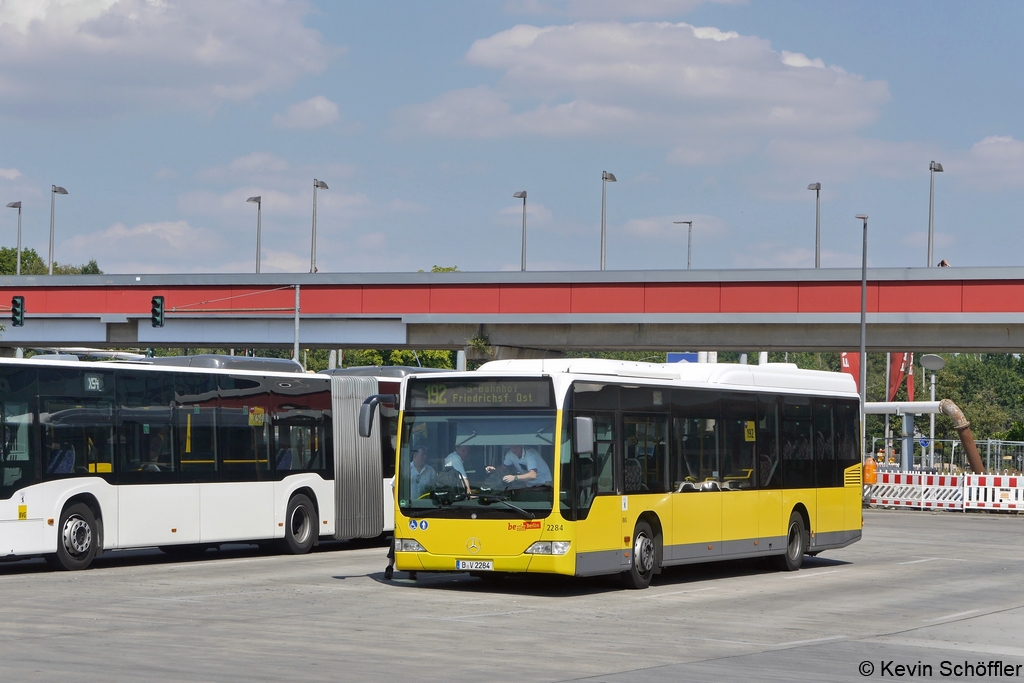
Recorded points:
(156, 505)
(737, 479)
(697, 501)
(19, 464)
(599, 507)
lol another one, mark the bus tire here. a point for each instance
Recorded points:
(645, 558)
(299, 526)
(796, 544)
(77, 537)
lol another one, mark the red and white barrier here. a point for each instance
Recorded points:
(897, 489)
(993, 492)
(948, 491)
(942, 492)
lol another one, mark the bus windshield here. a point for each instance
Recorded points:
(477, 463)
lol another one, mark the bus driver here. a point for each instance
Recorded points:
(526, 465)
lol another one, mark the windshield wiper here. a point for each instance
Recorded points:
(488, 499)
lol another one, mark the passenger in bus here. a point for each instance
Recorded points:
(457, 459)
(421, 475)
(526, 465)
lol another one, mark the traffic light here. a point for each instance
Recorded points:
(157, 314)
(18, 311)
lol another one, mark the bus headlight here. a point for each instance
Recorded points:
(409, 545)
(548, 548)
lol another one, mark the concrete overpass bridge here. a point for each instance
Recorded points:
(936, 309)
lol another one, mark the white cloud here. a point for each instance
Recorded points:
(313, 113)
(706, 93)
(994, 163)
(284, 262)
(609, 9)
(9, 173)
(847, 156)
(534, 212)
(298, 203)
(268, 167)
(258, 162)
(120, 249)
(662, 229)
(95, 57)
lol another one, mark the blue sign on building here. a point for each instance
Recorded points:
(677, 356)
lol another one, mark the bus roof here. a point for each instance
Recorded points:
(397, 371)
(767, 376)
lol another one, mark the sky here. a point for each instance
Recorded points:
(161, 117)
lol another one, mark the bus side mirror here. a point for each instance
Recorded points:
(367, 410)
(583, 435)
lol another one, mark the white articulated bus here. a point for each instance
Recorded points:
(187, 453)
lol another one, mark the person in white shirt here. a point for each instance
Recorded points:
(457, 459)
(526, 465)
(421, 475)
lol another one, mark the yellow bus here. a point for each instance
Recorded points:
(590, 467)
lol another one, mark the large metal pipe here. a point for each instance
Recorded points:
(946, 407)
(963, 428)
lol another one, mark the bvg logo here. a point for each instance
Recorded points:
(473, 545)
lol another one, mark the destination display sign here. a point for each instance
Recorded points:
(492, 393)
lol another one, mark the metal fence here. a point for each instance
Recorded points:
(999, 457)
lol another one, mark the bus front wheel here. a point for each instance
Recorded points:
(299, 526)
(645, 557)
(77, 538)
(796, 544)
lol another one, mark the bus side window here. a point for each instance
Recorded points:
(769, 473)
(595, 472)
(739, 441)
(797, 452)
(826, 473)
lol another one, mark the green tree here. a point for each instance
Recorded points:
(33, 264)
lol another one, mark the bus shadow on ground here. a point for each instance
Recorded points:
(142, 557)
(567, 586)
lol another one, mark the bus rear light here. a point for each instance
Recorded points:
(408, 545)
(548, 548)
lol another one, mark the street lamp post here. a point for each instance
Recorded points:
(259, 215)
(934, 168)
(933, 363)
(606, 178)
(317, 185)
(54, 191)
(17, 205)
(522, 195)
(817, 222)
(863, 331)
(689, 239)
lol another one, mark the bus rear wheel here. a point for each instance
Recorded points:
(77, 538)
(299, 526)
(796, 544)
(645, 558)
